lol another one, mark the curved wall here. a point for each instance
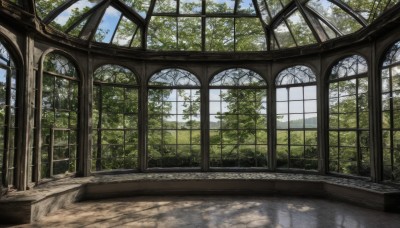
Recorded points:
(30, 41)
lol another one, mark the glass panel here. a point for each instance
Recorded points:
(77, 30)
(328, 30)
(107, 26)
(237, 77)
(295, 75)
(72, 14)
(219, 34)
(284, 36)
(393, 55)
(246, 7)
(275, 6)
(264, 11)
(123, 35)
(137, 39)
(239, 132)
(162, 33)
(190, 6)
(249, 35)
(343, 21)
(217, 6)
(140, 6)
(350, 66)
(165, 6)
(175, 142)
(114, 74)
(45, 7)
(301, 32)
(174, 77)
(189, 29)
(58, 64)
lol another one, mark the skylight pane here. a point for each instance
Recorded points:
(107, 25)
(364, 7)
(77, 30)
(335, 15)
(381, 7)
(331, 34)
(165, 6)
(190, 6)
(246, 7)
(140, 6)
(283, 36)
(162, 33)
(220, 6)
(250, 35)
(264, 11)
(275, 6)
(64, 20)
(44, 7)
(137, 40)
(124, 33)
(219, 34)
(301, 32)
(189, 30)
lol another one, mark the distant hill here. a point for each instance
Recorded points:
(308, 123)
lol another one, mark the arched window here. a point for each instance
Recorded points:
(390, 80)
(238, 119)
(60, 108)
(115, 119)
(349, 117)
(296, 119)
(8, 114)
(174, 131)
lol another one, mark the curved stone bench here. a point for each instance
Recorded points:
(28, 206)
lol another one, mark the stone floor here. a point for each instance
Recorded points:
(196, 211)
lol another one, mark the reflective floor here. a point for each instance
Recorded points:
(193, 211)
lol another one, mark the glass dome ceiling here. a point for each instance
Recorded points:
(209, 25)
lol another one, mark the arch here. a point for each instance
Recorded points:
(174, 124)
(348, 107)
(296, 119)
(237, 77)
(117, 74)
(174, 77)
(348, 66)
(115, 119)
(238, 119)
(298, 74)
(61, 100)
(392, 54)
(66, 55)
(390, 100)
(9, 112)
